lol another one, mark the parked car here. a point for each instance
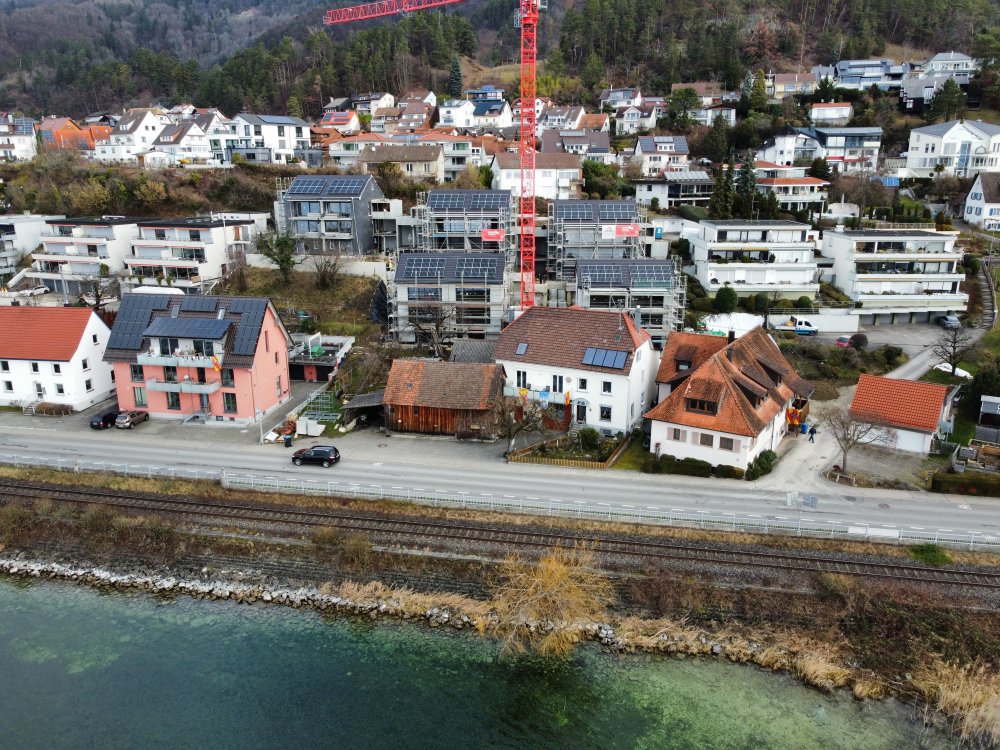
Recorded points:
(35, 291)
(318, 454)
(949, 321)
(127, 420)
(104, 420)
(844, 342)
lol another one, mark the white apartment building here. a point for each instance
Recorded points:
(660, 153)
(599, 364)
(897, 276)
(77, 251)
(831, 113)
(279, 134)
(951, 64)
(846, 149)
(491, 113)
(631, 120)
(456, 114)
(557, 176)
(797, 192)
(20, 235)
(616, 98)
(134, 134)
(53, 355)
(177, 145)
(962, 148)
(372, 101)
(756, 256)
(192, 255)
(17, 138)
(559, 118)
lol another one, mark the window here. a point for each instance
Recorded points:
(169, 374)
(60, 390)
(227, 377)
(168, 346)
(725, 443)
(701, 405)
(583, 384)
(605, 413)
(521, 349)
(706, 440)
(57, 369)
(94, 338)
(229, 403)
(522, 379)
(4, 366)
(173, 400)
(135, 373)
(277, 384)
(34, 367)
(194, 235)
(88, 385)
(8, 386)
(606, 386)
(677, 434)
(160, 234)
(139, 396)
(557, 383)
(267, 342)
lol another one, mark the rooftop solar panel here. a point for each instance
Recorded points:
(609, 358)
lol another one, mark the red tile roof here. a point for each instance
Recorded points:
(693, 348)
(905, 404)
(828, 105)
(560, 336)
(47, 334)
(442, 385)
(750, 366)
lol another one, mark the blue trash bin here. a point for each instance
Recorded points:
(805, 428)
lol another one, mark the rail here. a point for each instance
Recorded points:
(621, 512)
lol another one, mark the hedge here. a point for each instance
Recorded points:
(692, 213)
(724, 471)
(761, 465)
(966, 484)
(691, 467)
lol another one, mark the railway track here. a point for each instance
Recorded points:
(423, 530)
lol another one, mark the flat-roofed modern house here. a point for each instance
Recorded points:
(329, 214)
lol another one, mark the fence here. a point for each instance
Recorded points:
(528, 455)
(749, 523)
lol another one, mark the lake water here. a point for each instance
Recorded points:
(85, 669)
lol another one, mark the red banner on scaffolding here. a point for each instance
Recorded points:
(493, 235)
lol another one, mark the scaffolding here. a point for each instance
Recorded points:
(593, 230)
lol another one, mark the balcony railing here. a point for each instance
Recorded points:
(176, 360)
(163, 386)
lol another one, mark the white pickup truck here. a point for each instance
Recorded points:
(800, 326)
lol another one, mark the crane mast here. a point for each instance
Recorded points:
(528, 21)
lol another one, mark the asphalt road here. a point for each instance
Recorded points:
(414, 469)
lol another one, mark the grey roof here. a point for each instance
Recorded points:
(138, 313)
(193, 223)
(468, 200)
(647, 143)
(883, 233)
(193, 328)
(129, 123)
(763, 223)
(942, 128)
(390, 152)
(341, 185)
(598, 141)
(624, 273)
(449, 268)
(366, 400)
(272, 120)
(604, 211)
(94, 221)
(488, 107)
(989, 183)
(949, 57)
(473, 351)
(848, 131)
(678, 175)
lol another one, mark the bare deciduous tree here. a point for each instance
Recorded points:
(514, 417)
(955, 345)
(541, 606)
(849, 432)
(432, 322)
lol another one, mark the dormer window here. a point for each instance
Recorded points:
(682, 364)
(701, 406)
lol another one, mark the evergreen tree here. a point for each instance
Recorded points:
(769, 208)
(826, 91)
(720, 205)
(820, 168)
(746, 188)
(948, 102)
(592, 72)
(455, 85)
(758, 93)
(726, 299)
(716, 145)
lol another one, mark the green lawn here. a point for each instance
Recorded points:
(965, 430)
(943, 378)
(633, 456)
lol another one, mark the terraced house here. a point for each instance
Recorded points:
(199, 358)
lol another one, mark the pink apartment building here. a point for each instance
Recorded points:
(221, 359)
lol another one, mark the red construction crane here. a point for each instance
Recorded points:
(528, 18)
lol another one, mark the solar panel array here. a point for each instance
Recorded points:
(476, 266)
(605, 358)
(468, 200)
(187, 327)
(602, 273)
(618, 211)
(426, 266)
(133, 318)
(328, 185)
(624, 272)
(251, 312)
(651, 271)
(450, 268)
(195, 303)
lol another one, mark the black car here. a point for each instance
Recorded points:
(104, 420)
(318, 454)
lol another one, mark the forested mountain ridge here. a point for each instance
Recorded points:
(275, 55)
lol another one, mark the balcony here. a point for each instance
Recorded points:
(163, 386)
(193, 386)
(934, 301)
(752, 287)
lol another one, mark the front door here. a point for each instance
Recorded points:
(204, 401)
(581, 412)
(39, 389)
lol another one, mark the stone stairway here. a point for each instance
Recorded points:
(30, 408)
(988, 295)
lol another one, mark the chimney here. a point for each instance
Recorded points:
(637, 317)
(732, 336)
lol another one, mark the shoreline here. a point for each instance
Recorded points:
(811, 662)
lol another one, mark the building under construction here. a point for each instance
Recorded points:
(592, 230)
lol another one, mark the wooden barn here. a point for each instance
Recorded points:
(442, 398)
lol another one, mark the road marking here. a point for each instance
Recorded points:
(965, 507)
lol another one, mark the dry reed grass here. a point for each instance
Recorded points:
(866, 687)
(817, 670)
(968, 695)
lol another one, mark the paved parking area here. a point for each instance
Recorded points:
(912, 337)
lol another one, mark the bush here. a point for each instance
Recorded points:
(804, 303)
(971, 263)
(859, 341)
(726, 299)
(358, 551)
(761, 465)
(692, 213)
(724, 471)
(668, 464)
(53, 410)
(694, 288)
(589, 438)
(967, 483)
(892, 354)
(702, 304)
(932, 554)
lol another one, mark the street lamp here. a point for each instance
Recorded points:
(253, 399)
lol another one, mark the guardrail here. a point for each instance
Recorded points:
(626, 513)
(749, 523)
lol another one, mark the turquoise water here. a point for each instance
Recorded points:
(85, 669)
